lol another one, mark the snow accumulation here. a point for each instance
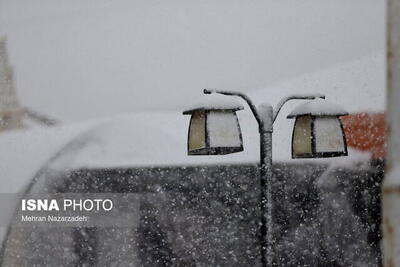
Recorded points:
(24, 152)
(142, 139)
(216, 101)
(318, 107)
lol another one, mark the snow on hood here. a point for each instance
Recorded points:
(318, 107)
(137, 140)
(159, 139)
(24, 152)
(141, 139)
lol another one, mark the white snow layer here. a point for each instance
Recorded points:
(216, 101)
(318, 107)
(24, 152)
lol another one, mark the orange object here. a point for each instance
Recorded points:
(366, 132)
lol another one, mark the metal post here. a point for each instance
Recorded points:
(266, 175)
(391, 183)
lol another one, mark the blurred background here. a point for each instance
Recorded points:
(96, 88)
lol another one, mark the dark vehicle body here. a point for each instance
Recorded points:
(209, 216)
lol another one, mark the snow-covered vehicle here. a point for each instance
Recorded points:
(192, 211)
